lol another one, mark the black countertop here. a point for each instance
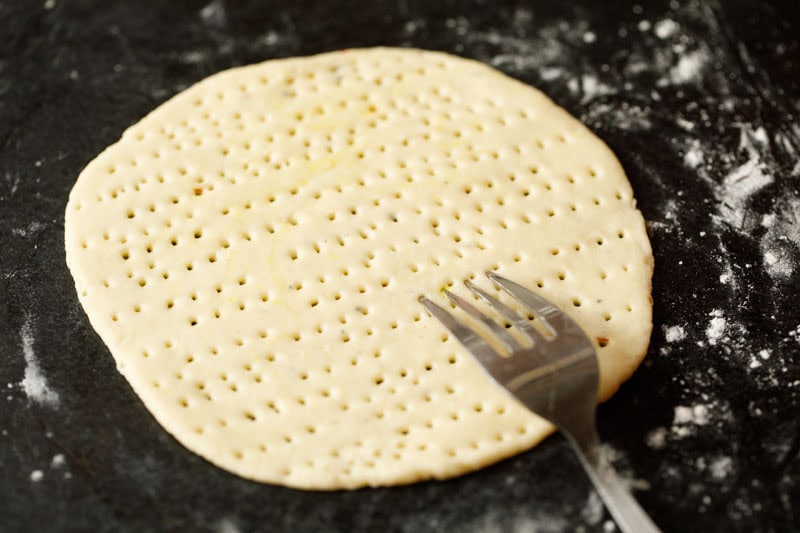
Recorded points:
(700, 101)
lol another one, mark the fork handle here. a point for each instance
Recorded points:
(627, 512)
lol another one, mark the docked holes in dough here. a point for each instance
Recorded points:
(277, 253)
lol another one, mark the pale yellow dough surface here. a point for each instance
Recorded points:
(253, 250)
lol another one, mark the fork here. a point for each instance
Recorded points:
(554, 374)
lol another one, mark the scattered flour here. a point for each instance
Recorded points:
(227, 525)
(721, 468)
(591, 88)
(33, 228)
(214, 14)
(626, 117)
(550, 73)
(727, 275)
(716, 327)
(697, 414)
(657, 438)
(58, 461)
(689, 67)
(527, 518)
(756, 361)
(693, 157)
(745, 180)
(685, 422)
(193, 57)
(665, 28)
(674, 333)
(521, 45)
(412, 26)
(593, 511)
(34, 383)
(737, 189)
(778, 263)
(626, 475)
(751, 170)
(780, 244)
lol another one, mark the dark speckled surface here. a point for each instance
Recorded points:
(700, 101)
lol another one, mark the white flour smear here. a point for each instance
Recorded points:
(657, 438)
(743, 182)
(213, 14)
(34, 383)
(716, 326)
(592, 88)
(689, 420)
(781, 241)
(593, 510)
(694, 156)
(664, 28)
(674, 334)
(721, 468)
(525, 46)
(227, 525)
(737, 189)
(697, 414)
(689, 67)
(750, 170)
(33, 228)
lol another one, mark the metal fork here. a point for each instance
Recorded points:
(555, 375)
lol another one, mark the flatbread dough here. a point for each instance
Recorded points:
(252, 253)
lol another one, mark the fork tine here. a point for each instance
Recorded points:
(508, 342)
(510, 315)
(548, 314)
(474, 343)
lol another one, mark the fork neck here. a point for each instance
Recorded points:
(581, 430)
(629, 516)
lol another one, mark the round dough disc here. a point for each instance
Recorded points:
(252, 254)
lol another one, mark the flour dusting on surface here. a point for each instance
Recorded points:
(674, 333)
(697, 414)
(58, 461)
(214, 14)
(626, 475)
(34, 383)
(689, 67)
(593, 510)
(721, 468)
(521, 518)
(227, 525)
(740, 185)
(29, 231)
(716, 326)
(685, 422)
(781, 240)
(657, 438)
(664, 29)
(693, 157)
